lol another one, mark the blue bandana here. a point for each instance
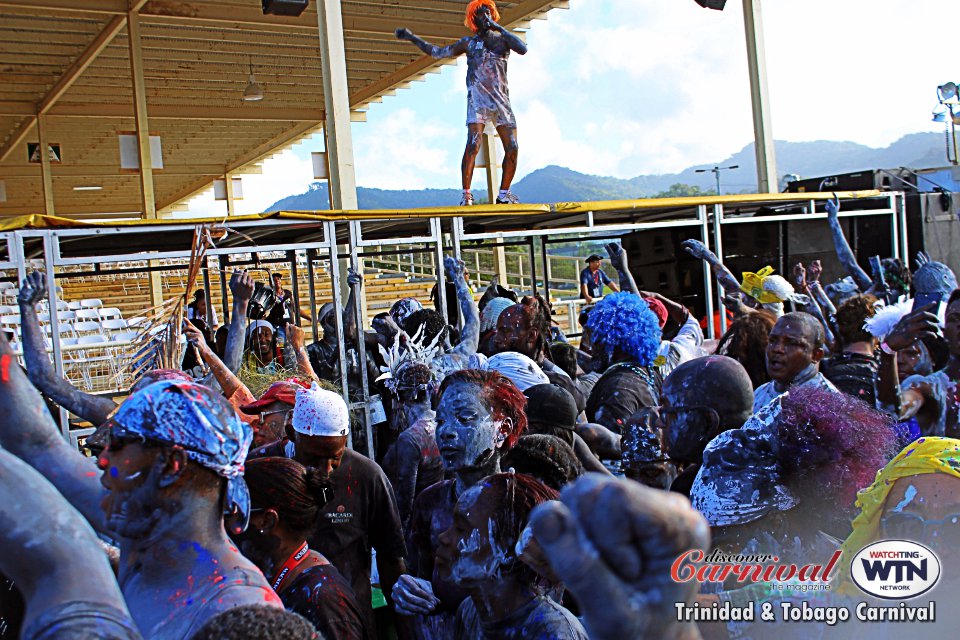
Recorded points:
(199, 421)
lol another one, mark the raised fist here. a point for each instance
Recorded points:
(33, 289)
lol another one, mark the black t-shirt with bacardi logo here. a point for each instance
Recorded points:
(362, 515)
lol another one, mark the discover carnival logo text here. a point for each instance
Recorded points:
(889, 570)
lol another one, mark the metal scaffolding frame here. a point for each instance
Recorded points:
(323, 243)
(355, 240)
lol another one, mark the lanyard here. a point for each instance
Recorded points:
(292, 562)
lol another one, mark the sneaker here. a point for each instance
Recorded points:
(508, 198)
(467, 200)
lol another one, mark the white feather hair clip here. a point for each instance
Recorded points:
(886, 318)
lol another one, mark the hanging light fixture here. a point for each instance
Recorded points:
(254, 90)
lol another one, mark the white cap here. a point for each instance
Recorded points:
(319, 412)
(521, 370)
(256, 324)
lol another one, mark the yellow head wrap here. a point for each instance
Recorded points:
(753, 286)
(926, 455)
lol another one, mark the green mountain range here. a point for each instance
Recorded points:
(558, 184)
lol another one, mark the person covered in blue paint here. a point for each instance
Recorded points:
(169, 477)
(488, 96)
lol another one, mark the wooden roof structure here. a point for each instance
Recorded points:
(77, 73)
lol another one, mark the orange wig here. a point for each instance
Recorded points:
(472, 9)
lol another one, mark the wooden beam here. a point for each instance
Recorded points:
(231, 202)
(32, 171)
(248, 157)
(168, 112)
(18, 137)
(72, 6)
(336, 97)
(47, 176)
(106, 35)
(140, 117)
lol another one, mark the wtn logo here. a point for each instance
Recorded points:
(903, 570)
(895, 569)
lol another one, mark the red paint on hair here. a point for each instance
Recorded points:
(500, 394)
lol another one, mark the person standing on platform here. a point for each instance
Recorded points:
(488, 96)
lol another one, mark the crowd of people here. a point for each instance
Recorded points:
(519, 486)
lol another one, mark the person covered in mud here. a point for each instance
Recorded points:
(488, 96)
(626, 337)
(786, 482)
(891, 284)
(480, 553)
(324, 355)
(794, 351)
(171, 471)
(525, 328)
(480, 417)
(363, 512)
(287, 500)
(932, 399)
(273, 411)
(551, 410)
(413, 462)
(700, 400)
(53, 556)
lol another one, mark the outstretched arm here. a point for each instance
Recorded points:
(227, 379)
(28, 432)
(618, 258)
(241, 286)
(93, 408)
(432, 50)
(470, 335)
(50, 553)
(699, 250)
(844, 252)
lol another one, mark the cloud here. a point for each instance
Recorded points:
(405, 150)
(623, 88)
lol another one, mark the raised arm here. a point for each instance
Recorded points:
(93, 408)
(690, 335)
(432, 50)
(354, 282)
(699, 250)
(295, 342)
(51, 554)
(813, 307)
(844, 252)
(241, 286)
(514, 42)
(28, 432)
(906, 402)
(618, 258)
(470, 335)
(227, 379)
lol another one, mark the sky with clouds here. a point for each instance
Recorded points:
(631, 87)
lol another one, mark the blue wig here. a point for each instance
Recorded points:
(624, 322)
